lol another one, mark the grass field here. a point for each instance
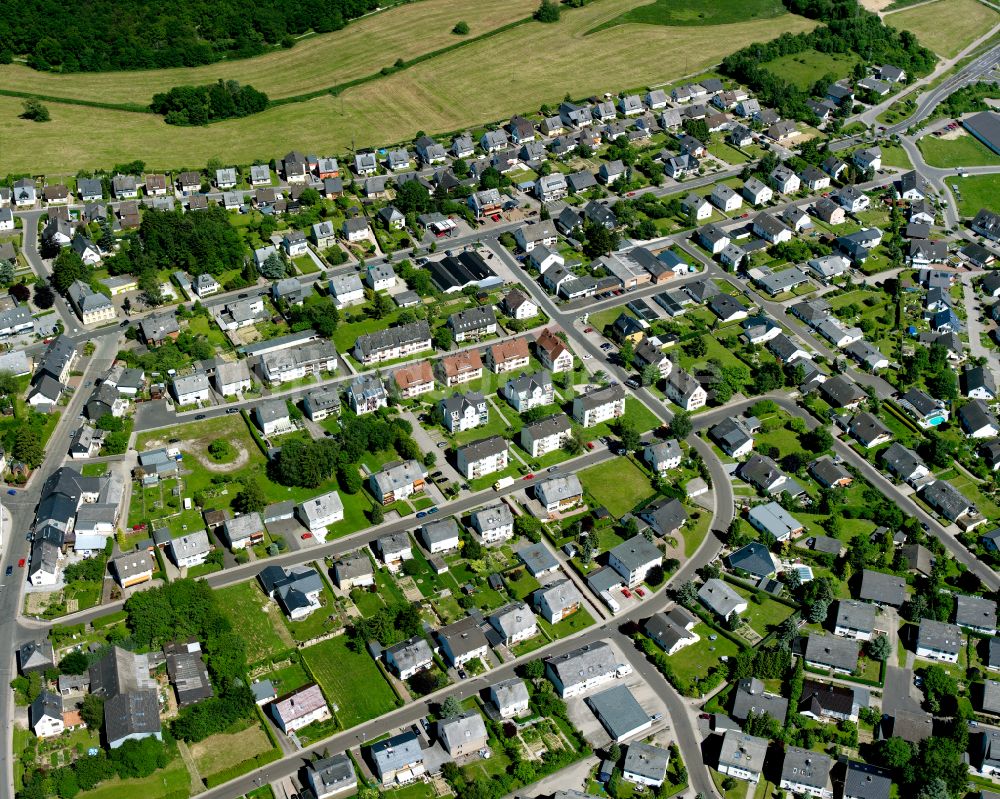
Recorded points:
(804, 69)
(946, 26)
(978, 191)
(351, 680)
(618, 484)
(363, 47)
(963, 151)
(678, 12)
(222, 751)
(257, 619)
(462, 88)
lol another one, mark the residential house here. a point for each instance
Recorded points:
(663, 456)
(672, 630)
(439, 536)
(514, 623)
(546, 435)
(854, 620)
(462, 412)
(599, 405)
(581, 670)
(939, 641)
(462, 641)
(633, 559)
(806, 773)
(742, 756)
(398, 481)
(483, 457)
(683, 390)
(722, 600)
(830, 653)
(299, 709)
(510, 698)
(559, 493)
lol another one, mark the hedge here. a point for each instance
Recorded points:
(240, 769)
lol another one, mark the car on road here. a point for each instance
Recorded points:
(232, 410)
(421, 514)
(199, 417)
(10, 571)
(918, 680)
(306, 536)
(244, 296)
(442, 444)
(529, 476)
(20, 563)
(11, 492)
(432, 510)
(588, 330)
(552, 468)
(632, 383)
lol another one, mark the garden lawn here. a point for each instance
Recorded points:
(524, 585)
(316, 623)
(965, 150)
(617, 484)
(764, 617)
(257, 619)
(580, 620)
(288, 678)
(946, 26)
(694, 661)
(977, 191)
(350, 680)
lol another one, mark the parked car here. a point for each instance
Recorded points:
(10, 571)
(421, 514)
(306, 536)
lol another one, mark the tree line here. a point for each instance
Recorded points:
(134, 34)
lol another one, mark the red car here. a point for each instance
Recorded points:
(588, 330)
(306, 535)
(640, 592)
(20, 563)
(528, 477)
(590, 445)
(628, 594)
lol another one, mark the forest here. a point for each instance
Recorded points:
(107, 35)
(199, 105)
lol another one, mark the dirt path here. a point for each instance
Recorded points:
(197, 786)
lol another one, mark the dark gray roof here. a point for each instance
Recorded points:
(753, 558)
(833, 652)
(805, 767)
(863, 781)
(751, 698)
(883, 589)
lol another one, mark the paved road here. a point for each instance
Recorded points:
(15, 546)
(411, 713)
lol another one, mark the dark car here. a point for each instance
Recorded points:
(199, 417)
(232, 410)
(10, 571)
(11, 491)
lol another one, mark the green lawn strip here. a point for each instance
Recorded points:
(619, 485)
(368, 603)
(695, 533)
(524, 585)
(388, 589)
(351, 680)
(971, 490)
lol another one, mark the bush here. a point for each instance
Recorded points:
(461, 29)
